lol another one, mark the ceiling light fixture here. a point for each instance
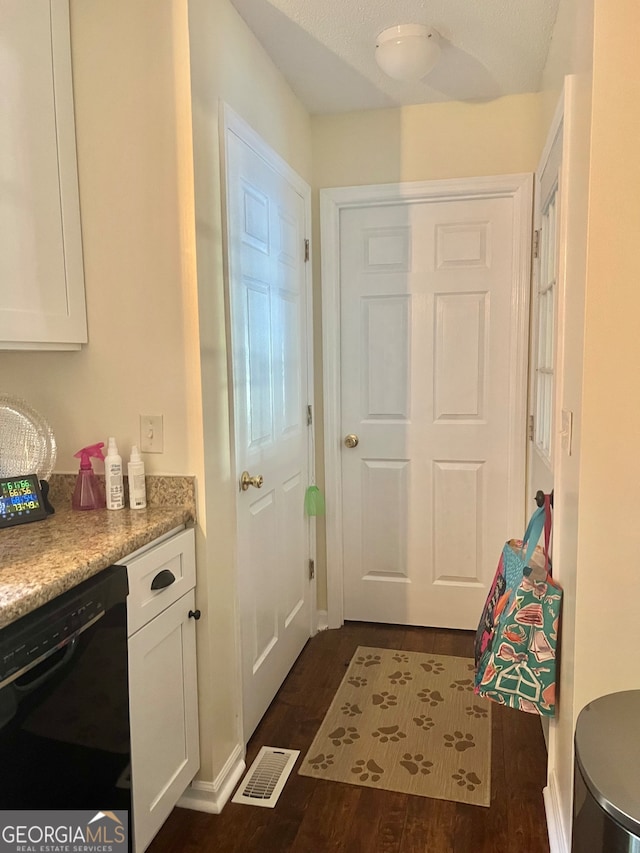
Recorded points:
(408, 51)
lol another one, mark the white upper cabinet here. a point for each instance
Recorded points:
(42, 303)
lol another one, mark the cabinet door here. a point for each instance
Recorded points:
(42, 302)
(164, 716)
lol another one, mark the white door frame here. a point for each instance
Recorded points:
(332, 202)
(231, 122)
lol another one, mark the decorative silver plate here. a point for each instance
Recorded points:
(27, 443)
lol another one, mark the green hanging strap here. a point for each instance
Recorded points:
(314, 501)
(313, 497)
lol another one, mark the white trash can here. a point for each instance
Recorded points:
(606, 795)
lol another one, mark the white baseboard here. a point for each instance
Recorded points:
(322, 620)
(212, 796)
(558, 840)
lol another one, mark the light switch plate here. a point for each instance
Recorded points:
(151, 434)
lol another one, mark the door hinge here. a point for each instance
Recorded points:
(312, 569)
(306, 250)
(530, 427)
(536, 243)
(309, 415)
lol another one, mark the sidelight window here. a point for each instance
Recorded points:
(546, 300)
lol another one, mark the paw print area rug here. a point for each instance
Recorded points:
(409, 722)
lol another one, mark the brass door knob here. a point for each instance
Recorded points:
(247, 480)
(351, 440)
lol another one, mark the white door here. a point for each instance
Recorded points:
(428, 387)
(270, 339)
(542, 415)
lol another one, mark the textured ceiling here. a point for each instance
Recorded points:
(325, 48)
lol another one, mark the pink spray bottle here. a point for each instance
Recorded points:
(88, 493)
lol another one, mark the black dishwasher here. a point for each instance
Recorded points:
(64, 708)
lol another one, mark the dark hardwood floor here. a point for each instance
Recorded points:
(316, 816)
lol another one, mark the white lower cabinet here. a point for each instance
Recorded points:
(162, 684)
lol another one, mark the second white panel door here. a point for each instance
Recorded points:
(427, 388)
(266, 221)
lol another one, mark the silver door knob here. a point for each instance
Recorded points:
(351, 440)
(247, 480)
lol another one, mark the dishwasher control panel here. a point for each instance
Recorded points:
(39, 634)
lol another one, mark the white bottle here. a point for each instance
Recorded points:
(114, 486)
(137, 487)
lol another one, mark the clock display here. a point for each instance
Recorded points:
(20, 500)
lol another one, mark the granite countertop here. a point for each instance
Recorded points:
(42, 559)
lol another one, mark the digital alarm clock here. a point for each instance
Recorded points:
(21, 500)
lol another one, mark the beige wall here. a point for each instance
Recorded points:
(607, 627)
(571, 53)
(427, 142)
(157, 342)
(157, 334)
(596, 536)
(417, 143)
(133, 139)
(227, 64)
(135, 166)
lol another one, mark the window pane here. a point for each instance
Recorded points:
(550, 272)
(542, 328)
(544, 379)
(548, 355)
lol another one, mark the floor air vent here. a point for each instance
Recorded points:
(266, 777)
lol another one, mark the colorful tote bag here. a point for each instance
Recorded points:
(517, 637)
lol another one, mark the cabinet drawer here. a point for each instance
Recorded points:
(171, 568)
